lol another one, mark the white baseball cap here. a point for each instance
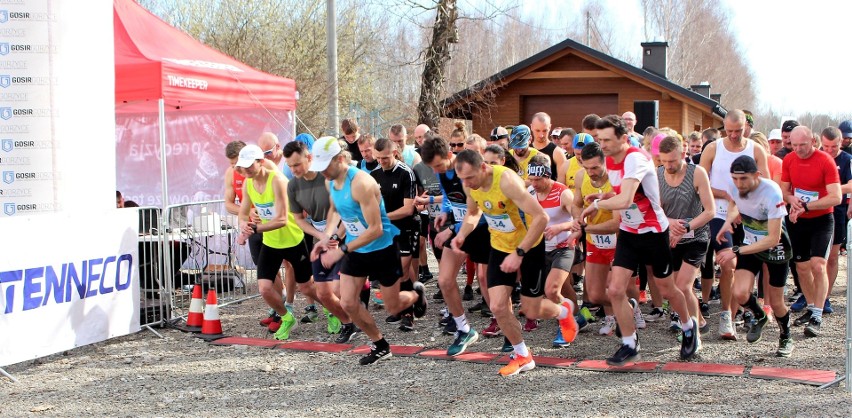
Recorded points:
(324, 150)
(775, 134)
(248, 155)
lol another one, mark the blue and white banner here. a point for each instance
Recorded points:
(67, 281)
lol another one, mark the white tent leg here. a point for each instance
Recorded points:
(162, 111)
(12, 378)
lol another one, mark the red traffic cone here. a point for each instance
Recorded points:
(195, 319)
(211, 328)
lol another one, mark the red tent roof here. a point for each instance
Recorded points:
(154, 60)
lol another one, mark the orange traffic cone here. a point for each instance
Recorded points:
(211, 328)
(195, 319)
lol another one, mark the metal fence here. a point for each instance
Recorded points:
(154, 301)
(201, 248)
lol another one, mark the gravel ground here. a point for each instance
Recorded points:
(179, 375)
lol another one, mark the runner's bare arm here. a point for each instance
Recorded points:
(707, 157)
(702, 185)
(624, 199)
(230, 193)
(762, 160)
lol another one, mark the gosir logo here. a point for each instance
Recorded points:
(4, 16)
(4, 48)
(8, 177)
(5, 80)
(7, 145)
(9, 209)
(6, 113)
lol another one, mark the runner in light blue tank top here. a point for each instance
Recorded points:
(353, 218)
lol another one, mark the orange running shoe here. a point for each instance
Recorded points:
(643, 297)
(568, 325)
(518, 364)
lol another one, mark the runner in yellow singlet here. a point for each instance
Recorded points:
(500, 195)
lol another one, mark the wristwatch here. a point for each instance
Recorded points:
(687, 227)
(344, 248)
(520, 252)
(334, 237)
(736, 249)
(253, 227)
(805, 206)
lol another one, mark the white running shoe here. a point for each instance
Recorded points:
(726, 327)
(608, 326)
(637, 314)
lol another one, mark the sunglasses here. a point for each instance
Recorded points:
(269, 152)
(456, 144)
(499, 137)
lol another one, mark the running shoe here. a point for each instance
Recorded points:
(643, 296)
(450, 328)
(517, 365)
(804, 319)
(704, 328)
(406, 323)
(705, 309)
(445, 319)
(468, 293)
(493, 330)
(748, 320)
(347, 332)
(726, 327)
(767, 309)
(273, 316)
(274, 325)
(438, 295)
(485, 312)
(558, 341)
(477, 307)
(800, 304)
(674, 322)
(375, 355)
(691, 340)
(393, 319)
(333, 324)
(377, 299)
(425, 277)
(463, 339)
(568, 325)
(530, 325)
(420, 304)
(637, 314)
(586, 313)
(516, 295)
(608, 327)
(288, 322)
(582, 324)
(507, 346)
(785, 347)
(756, 329)
(795, 296)
(738, 318)
(697, 284)
(812, 329)
(826, 308)
(624, 355)
(655, 315)
(311, 314)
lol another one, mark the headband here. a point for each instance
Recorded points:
(539, 170)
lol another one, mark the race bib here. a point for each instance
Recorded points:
(459, 212)
(752, 235)
(434, 209)
(603, 241)
(806, 196)
(500, 223)
(265, 212)
(319, 225)
(632, 216)
(354, 227)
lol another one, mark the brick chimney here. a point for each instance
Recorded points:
(654, 57)
(702, 88)
(716, 97)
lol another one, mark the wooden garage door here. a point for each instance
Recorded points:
(568, 110)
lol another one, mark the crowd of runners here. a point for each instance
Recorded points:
(566, 227)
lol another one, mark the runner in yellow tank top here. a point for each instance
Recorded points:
(266, 191)
(500, 194)
(600, 230)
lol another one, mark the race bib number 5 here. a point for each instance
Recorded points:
(500, 223)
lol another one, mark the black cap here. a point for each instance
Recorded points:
(743, 165)
(788, 125)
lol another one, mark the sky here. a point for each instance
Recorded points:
(799, 51)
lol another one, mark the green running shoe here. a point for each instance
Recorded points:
(333, 324)
(288, 322)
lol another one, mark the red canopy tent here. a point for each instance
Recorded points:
(179, 102)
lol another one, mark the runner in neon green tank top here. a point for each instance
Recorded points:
(266, 190)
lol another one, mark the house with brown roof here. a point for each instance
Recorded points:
(570, 80)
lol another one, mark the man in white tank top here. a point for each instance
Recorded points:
(716, 160)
